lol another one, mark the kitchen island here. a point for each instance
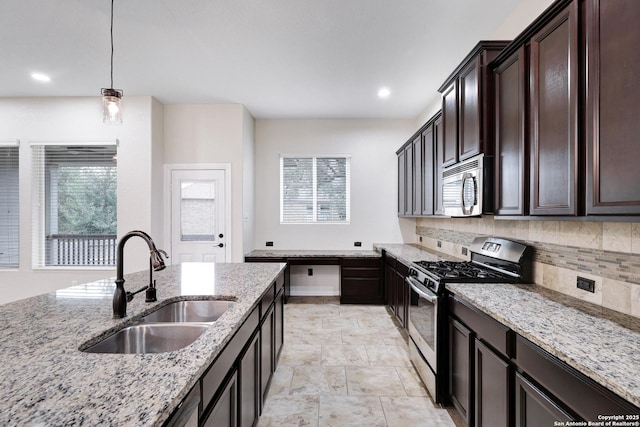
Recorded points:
(47, 380)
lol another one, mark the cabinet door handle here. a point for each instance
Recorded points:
(221, 245)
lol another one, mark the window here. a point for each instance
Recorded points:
(74, 204)
(9, 214)
(314, 190)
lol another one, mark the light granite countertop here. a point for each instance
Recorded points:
(604, 346)
(293, 253)
(47, 380)
(601, 343)
(412, 253)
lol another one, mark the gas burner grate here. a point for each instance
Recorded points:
(460, 270)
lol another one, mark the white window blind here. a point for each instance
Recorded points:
(314, 189)
(9, 203)
(74, 204)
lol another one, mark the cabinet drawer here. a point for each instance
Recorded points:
(361, 262)
(267, 299)
(390, 261)
(402, 269)
(264, 259)
(218, 371)
(279, 283)
(360, 287)
(313, 261)
(488, 330)
(372, 273)
(581, 394)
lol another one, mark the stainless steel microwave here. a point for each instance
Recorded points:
(465, 187)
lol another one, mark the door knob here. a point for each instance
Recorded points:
(221, 245)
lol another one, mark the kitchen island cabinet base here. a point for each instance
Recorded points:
(234, 387)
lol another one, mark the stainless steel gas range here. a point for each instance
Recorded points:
(493, 260)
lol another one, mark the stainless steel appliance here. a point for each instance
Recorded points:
(493, 260)
(466, 185)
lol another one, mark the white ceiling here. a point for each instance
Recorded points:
(279, 58)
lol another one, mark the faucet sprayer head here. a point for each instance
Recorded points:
(156, 259)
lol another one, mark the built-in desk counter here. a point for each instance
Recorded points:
(360, 270)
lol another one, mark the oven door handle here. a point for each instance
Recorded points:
(431, 298)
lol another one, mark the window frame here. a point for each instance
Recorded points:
(314, 188)
(39, 204)
(14, 143)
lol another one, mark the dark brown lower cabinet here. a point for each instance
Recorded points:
(360, 281)
(401, 291)
(395, 288)
(232, 390)
(249, 367)
(279, 325)
(389, 289)
(534, 408)
(460, 368)
(266, 353)
(497, 378)
(225, 411)
(492, 388)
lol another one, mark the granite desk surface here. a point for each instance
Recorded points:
(294, 253)
(601, 343)
(47, 380)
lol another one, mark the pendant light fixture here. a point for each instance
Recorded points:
(111, 98)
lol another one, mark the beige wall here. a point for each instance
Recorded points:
(606, 252)
(80, 119)
(370, 143)
(214, 133)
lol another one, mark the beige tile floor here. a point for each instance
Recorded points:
(346, 365)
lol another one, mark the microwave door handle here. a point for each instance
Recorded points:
(431, 298)
(468, 210)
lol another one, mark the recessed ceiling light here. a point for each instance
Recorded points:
(384, 92)
(40, 77)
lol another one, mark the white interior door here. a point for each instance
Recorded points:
(198, 215)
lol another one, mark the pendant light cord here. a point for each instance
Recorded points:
(111, 44)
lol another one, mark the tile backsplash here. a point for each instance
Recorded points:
(606, 252)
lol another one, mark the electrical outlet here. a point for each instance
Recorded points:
(357, 243)
(439, 244)
(464, 250)
(269, 244)
(586, 284)
(309, 271)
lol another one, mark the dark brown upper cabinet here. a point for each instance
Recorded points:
(417, 175)
(580, 61)
(467, 105)
(438, 146)
(553, 109)
(402, 190)
(419, 171)
(449, 154)
(429, 168)
(612, 125)
(511, 182)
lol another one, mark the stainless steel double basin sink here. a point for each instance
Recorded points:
(171, 327)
